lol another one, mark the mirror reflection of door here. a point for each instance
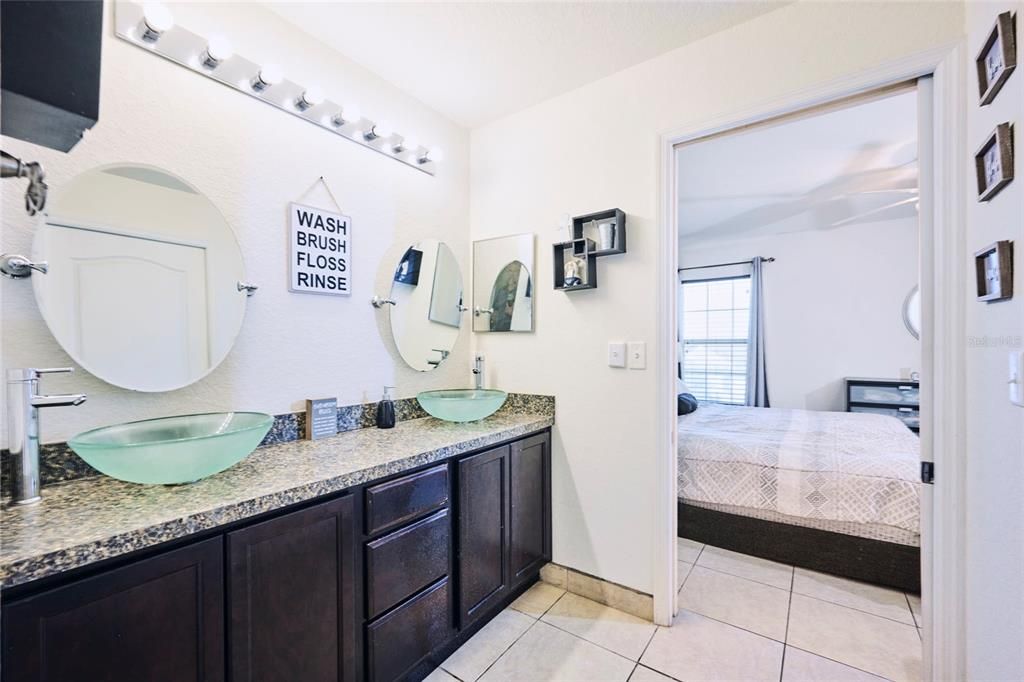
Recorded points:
(158, 330)
(511, 301)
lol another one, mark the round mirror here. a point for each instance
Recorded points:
(912, 312)
(511, 301)
(143, 282)
(427, 310)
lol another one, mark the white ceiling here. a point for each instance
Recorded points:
(475, 62)
(817, 172)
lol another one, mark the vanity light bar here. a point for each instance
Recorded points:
(151, 27)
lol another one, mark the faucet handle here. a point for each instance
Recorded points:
(33, 374)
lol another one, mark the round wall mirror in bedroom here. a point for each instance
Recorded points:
(912, 312)
(144, 287)
(427, 309)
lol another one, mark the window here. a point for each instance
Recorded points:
(715, 334)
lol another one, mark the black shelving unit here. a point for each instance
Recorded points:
(584, 247)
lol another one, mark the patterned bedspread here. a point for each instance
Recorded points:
(834, 466)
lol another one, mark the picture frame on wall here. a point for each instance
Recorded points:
(993, 162)
(993, 267)
(997, 58)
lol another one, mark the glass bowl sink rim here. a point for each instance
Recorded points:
(89, 438)
(463, 393)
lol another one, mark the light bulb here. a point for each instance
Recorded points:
(156, 19)
(218, 48)
(379, 129)
(435, 154)
(409, 144)
(310, 97)
(268, 75)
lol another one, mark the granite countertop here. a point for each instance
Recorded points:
(87, 520)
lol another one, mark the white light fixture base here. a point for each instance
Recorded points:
(188, 49)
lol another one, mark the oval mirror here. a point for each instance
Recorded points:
(143, 283)
(427, 310)
(912, 312)
(503, 284)
(511, 306)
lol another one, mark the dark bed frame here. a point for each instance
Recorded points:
(872, 561)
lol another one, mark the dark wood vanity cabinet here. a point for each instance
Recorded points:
(160, 618)
(292, 596)
(530, 507)
(379, 583)
(504, 522)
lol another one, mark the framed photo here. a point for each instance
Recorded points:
(993, 162)
(998, 57)
(993, 267)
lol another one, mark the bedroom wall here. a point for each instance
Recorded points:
(251, 160)
(995, 428)
(595, 148)
(833, 306)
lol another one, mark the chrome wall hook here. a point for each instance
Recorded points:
(378, 302)
(18, 267)
(249, 289)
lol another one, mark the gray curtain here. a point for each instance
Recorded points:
(757, 377)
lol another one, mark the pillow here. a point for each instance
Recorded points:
(686, 403)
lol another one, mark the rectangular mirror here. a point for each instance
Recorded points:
(503, 284)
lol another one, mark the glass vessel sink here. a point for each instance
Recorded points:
(172, 449)
(462, 405)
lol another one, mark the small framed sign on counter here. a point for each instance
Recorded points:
(319, 251)
(321, 418)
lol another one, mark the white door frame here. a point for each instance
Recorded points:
(943, 268)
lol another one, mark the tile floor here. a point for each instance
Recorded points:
(740, 618)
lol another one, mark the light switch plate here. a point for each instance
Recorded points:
(616, 354)
(637, 355)
(1016, 381)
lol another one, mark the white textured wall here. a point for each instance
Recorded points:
(833, 306)
(995, 428)
(596, 148)
(251, 160)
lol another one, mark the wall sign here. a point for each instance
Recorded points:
(321, 418)
(320, 251)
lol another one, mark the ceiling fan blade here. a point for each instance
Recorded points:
(877, 213)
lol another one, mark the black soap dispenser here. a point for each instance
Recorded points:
(386, 410)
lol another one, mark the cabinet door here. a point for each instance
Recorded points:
(483, 532)
(292, 596)
(160, 618)
(530, 515)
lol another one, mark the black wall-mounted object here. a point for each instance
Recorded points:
(50, 70)
(584, 247)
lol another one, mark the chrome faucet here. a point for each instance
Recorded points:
(478, 372)
(23, 403)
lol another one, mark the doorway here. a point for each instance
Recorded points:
(941, 275)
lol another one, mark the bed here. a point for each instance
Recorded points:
(831, 491)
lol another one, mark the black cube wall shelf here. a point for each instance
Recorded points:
(586, 248)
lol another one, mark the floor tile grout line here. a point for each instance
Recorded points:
(854, 608)
(742, 577)
(828, 658)
(648, 645)
(498, 657)
(599, 646)
(733, 625)
(913, 615)
(660, 672)
(789, 613)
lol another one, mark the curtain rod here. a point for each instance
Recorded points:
(722, 265)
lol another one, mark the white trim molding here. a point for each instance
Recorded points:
(943, 342)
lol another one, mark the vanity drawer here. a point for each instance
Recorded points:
(393, 503)
(897, 393)
(404, 637)
(910, 416)
(402, 563)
